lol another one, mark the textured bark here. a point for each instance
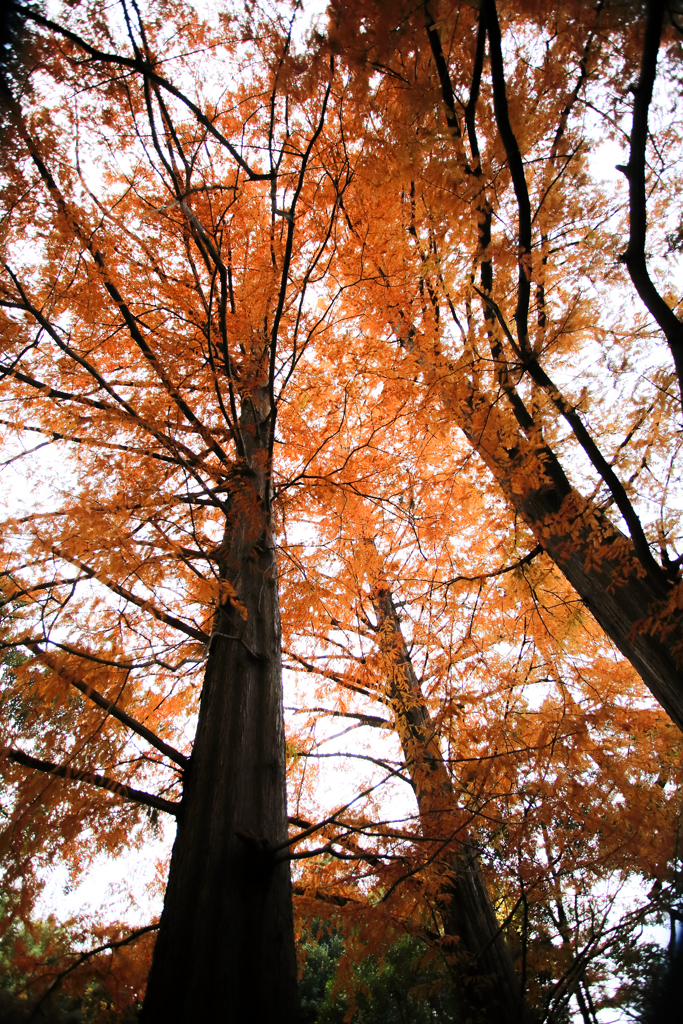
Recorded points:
(600, 564)
(225, 950)
(483, 968)
(638, 610)
(493, 993)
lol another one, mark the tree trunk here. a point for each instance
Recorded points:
(225, 950)
(639, 613)
(484, 971)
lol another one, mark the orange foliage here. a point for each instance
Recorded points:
(364, 274)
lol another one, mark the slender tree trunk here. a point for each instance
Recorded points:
(225, 950)
(485, 974)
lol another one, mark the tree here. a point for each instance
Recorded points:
(155, 326)
(549, 795)
(539, 792)
(454, 125)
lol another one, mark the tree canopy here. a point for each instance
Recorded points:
(330, 347)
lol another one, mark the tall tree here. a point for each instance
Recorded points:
(498, 771)
(484, 966)
(153, 326)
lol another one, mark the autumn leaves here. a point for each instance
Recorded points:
(350, 310)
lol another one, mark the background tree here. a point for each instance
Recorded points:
(405, 987)
(491, 292)
(502, 740)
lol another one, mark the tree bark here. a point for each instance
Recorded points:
(484, 972)
(639, 613)
(225, 950)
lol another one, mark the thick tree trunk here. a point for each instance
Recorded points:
(483, 968)
(225, 950)
(638, 612)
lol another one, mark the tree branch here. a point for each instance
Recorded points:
(73, 775)
(143, 68)
(110, 707)
(634, 257)
(147, 606)
(373, 720)
(514, 157)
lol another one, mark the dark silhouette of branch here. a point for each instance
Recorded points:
(514, 158)
(111, 708)
(73, 775)
(634, 170)
(145, 69)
